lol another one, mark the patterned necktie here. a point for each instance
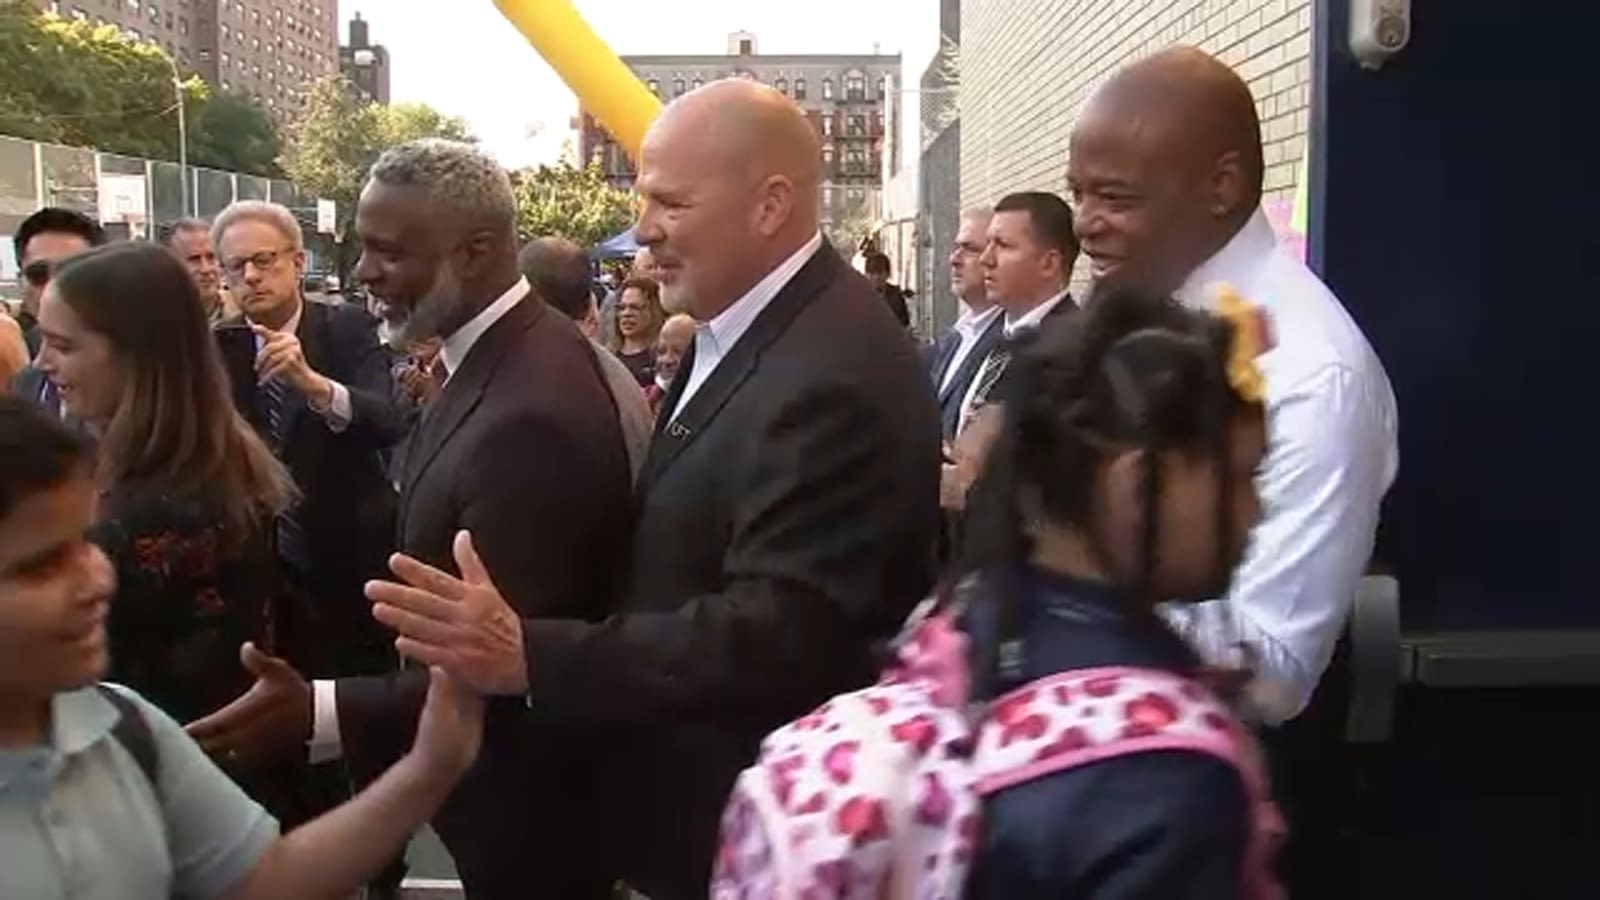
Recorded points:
(994, 365)
(272, 401)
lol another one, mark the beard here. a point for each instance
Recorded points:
(405, 327)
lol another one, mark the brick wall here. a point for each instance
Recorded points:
(1027, 66)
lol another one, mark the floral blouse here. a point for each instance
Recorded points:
(189, 593)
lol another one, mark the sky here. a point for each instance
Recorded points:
(470, 62)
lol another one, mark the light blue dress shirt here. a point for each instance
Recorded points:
(80, 821)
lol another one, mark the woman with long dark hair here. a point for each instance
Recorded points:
(639, 320)
(188, 492)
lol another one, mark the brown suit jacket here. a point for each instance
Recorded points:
(523, 449)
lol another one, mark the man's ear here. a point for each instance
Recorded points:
(1226, 188)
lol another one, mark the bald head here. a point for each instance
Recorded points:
(750, 129)
(1165, 167)
(1192, 100)
(730, 175)
(558, 269)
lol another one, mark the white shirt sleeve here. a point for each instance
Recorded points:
(1331, 458)
(338, 414)
(325, 743)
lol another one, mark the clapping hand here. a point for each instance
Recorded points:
(461, 625)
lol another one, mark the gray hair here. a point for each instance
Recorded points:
(462, 181)
(273, 214)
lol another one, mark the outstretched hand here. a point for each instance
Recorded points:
(270, 721)
(450, 728)
(461, 625)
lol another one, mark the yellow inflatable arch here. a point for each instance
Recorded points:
(606, 87)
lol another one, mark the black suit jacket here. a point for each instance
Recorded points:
(347, 505)
(522, 448)
(786, 527)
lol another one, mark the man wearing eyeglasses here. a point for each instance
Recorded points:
(42, 241)
(313, 380)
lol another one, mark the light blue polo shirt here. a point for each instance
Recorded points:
(79, 820)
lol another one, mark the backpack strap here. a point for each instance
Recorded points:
(133, 732)
(1084, 716)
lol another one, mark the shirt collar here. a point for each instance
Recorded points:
(293, 325)
(454, 349)
(974, 322)
(1032, 317)
(723, 331)
(1233, 263)
(78, 720)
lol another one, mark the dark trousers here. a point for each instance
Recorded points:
(1317, 787)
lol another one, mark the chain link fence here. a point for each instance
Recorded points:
(133, 198)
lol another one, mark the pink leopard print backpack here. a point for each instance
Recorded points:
(877, 794)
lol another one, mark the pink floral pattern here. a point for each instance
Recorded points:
(877, 794)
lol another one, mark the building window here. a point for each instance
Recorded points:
(827, 196)
(183, 26)
(677, 87)
(854, 126)
(827, 88)
(799, 88)
(827, 126)
(855, 87)
(225, 31)
(877, 123)
(855, 196)
(883, 87)
(205, 55)
(699, 83)
(827, 156)
(746, 46)
(782, 84)
(133, 5)
(655, 86)
(855, 161)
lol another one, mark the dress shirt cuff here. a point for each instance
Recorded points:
(338, 414)
(325, 744)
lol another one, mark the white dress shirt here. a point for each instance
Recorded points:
(968, 328)
(1333, 453)
(1012, 328)
(338, 414)
(713, 339)
(326, 743)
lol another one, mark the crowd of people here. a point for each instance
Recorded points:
(282, 580)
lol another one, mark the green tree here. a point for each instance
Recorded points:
(338, 136)
(232, 132)
(566, 201)
(72, 82)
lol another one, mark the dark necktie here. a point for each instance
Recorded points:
(292, 545)
(272, 402)
(994, 366)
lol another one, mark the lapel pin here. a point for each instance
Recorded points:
(677, 430)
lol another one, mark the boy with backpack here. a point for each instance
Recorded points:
(102, 796)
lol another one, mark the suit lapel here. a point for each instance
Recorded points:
(945, 352)
(676, 433)
(463, 391)
(969, 366)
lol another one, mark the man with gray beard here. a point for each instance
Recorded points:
(522, 448)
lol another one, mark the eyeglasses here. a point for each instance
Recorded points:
(38, 272)
(264, 261)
